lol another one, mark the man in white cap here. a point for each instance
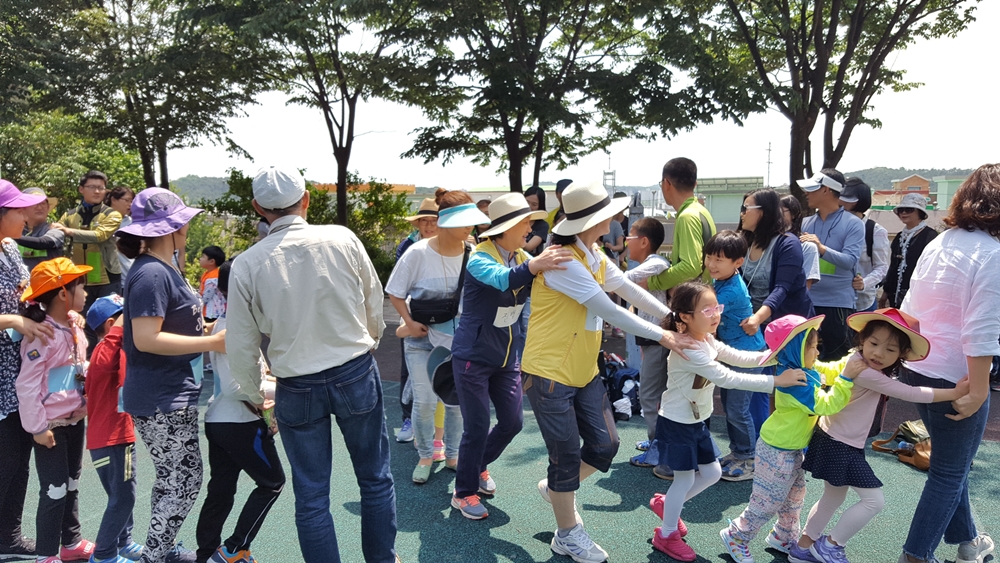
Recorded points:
(840, 237)
(314, 292)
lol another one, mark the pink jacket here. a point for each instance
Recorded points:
(48, 391)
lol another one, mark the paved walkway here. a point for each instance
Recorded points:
(520, 524)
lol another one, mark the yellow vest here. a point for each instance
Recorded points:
(560, 345)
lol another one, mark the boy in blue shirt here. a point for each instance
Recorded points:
(724, 254)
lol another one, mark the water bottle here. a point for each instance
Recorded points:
(904, 445)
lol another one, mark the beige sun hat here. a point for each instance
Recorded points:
(53, 201)
(586, 205)
(509, 210)
(428, 208)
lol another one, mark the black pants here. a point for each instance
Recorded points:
(834, 334)
(235, 447)
(58, 518)
(15, 453)
(404, 374)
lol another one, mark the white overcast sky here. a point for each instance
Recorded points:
(951, 121)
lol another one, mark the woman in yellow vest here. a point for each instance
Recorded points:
(561, 380)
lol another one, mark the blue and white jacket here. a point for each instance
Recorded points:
(493, 299)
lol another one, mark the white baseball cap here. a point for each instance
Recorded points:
(274, 188)
(817, 181)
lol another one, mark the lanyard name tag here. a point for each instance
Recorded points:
(594, 323)
(826, 267)
(198, 367)
(14, 335)
(63, 379)
(121, 401)
(507, 316)
(694, 410)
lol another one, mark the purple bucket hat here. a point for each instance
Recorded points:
(157, 212)
(12, 198)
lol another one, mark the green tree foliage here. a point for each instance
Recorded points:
(53, 151)
(375, 214)
(154, 79)
(554, 80)
(328, 54)
(829, 58)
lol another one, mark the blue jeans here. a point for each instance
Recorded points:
(943, 509)
(739, 424)
(115, 467)
(417, 351)
(303, 406)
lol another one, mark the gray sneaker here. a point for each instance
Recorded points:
(470, 507)
(974, 551)
(738, 470)
(578, 545)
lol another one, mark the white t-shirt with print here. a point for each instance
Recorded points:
(422, 273)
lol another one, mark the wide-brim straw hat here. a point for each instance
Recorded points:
(53, 201)
(428, 208)
(781, 331)
(586, 205)
(919, 345)
(509, 210)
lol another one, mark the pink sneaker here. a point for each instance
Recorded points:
(81, 552)
(673, 546)
(51, 559)
(438, 450)
(656, 505)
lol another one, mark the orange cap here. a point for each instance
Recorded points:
(52, 274)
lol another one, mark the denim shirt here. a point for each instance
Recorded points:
(735, 298)
(843, 235)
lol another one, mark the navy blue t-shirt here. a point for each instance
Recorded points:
(154, 382)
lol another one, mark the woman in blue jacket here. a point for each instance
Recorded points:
(485, 358)
(773, 273)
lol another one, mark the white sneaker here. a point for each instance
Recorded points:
(974, 551)
(578, 545)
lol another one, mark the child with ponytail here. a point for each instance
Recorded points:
(52, 406)
(685, 439)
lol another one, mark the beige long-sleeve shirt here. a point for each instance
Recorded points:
(313, 291)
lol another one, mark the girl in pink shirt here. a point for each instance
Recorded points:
(836, 452)
(52, 406)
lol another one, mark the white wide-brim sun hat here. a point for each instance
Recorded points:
(509, 210)
(586, 205)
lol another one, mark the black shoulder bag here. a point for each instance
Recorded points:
(434, 311)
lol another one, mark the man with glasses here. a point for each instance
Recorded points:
(89, 228)
(840, 238)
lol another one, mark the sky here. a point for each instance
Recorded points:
(949, 122)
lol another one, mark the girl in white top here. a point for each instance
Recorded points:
(687, 403)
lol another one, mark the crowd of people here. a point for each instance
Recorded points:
(104, 339)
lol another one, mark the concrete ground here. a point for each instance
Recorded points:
(520, 525)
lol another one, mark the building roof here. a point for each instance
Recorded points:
(741, 185)
(911, 176)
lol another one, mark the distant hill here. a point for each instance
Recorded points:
(881, 178)
(195, 188)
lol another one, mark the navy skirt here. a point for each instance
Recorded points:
(838, 464)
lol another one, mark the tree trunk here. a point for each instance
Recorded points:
(514, 176)
(539, 155)
(342, 188)
(161, 153)
(148, 165)
(798, 157)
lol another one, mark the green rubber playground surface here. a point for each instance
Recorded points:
(520, 524)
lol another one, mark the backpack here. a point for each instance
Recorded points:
(918, 454)
(621, 382)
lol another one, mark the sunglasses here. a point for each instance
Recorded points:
(743, 208)
(902, 210)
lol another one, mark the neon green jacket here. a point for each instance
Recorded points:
(690, 236)
(797, 409)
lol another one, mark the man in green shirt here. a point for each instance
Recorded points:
(692, 229)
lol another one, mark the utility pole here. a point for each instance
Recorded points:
(768, 165)
(609, 178)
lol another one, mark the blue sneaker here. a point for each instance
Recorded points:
(798, 554)
(642, 445)
(180, 555)
(827, 552)
(641, 461)
(405, 434)
(115, 559)
(132, 551)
